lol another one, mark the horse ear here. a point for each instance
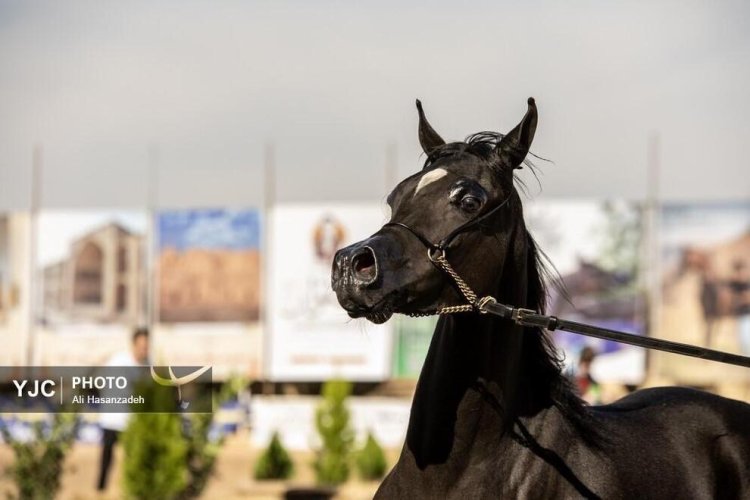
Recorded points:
(513, 148)
(428, 138)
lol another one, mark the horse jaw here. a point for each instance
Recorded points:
(379, 317)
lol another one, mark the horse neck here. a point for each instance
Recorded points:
(470, 352)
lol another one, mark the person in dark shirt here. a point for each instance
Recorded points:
(709, 300)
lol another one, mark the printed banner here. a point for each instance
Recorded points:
(293, 417)
(596, 249)
(5, 281)
(705, 299)
(411, 342)
(15, 277)
(209, 266)
(312, 337)
(233, 349)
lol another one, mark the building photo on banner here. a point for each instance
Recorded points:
(705, 287)
(91, 283)
(596, 249)
(208, 289)
(311, 336)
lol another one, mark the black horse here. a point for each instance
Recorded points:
(493, 416)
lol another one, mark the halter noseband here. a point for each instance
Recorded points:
(436, 254)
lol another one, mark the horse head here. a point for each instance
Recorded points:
(462, 204)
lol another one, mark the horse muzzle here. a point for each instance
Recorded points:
(357, 279)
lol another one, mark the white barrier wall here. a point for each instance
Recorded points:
(293, 417)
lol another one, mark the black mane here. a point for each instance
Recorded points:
(482, 145)
(542, 366)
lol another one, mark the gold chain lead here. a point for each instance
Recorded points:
(474, 302)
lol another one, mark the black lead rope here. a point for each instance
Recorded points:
(528, 317)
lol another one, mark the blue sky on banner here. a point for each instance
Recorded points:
(209, 229)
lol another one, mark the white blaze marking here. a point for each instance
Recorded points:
(429, 178)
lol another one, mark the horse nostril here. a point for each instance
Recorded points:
(364, 265)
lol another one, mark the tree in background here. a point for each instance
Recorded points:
(275, 462)
(38, 464)
(620, 239)
(200, 453)
(155, 456)
(332, 422)
(155, 461)
(202, 450)
(371, 462)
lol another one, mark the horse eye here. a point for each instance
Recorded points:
(470, 203)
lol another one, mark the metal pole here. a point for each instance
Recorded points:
(391, 166)
(653, 287)
(35, 202)
(269, 199)
(151, 204)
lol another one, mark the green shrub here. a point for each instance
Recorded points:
(155, 462)
(155, 451)
(332, 422)
(38, 464)
(371, 462)
(200, 454)
(274, 463)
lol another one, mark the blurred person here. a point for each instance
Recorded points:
(113, 424)
(709, 298)
(587, 386)
(739, 284)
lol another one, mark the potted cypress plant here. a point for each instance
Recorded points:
(370, 461)
(275, 462)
